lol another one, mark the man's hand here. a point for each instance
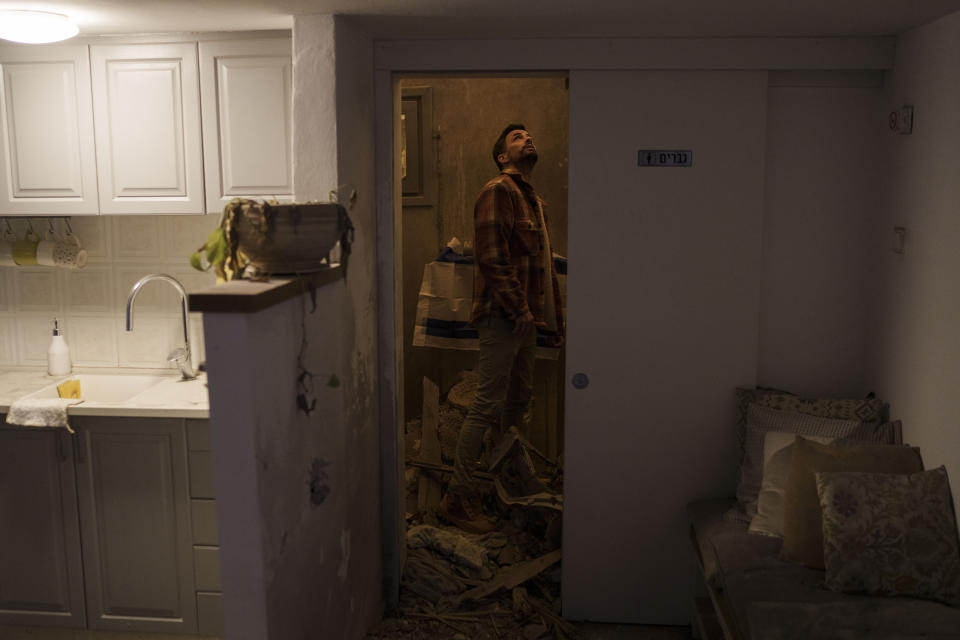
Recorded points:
(554, 341)
(523, 325)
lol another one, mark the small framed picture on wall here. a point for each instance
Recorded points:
(417, 154)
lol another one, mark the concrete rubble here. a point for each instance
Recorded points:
(497, 586)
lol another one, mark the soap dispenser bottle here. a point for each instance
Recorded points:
(58, 355)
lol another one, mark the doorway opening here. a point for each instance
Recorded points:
(447, 126)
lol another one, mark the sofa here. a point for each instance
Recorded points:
(756, 582)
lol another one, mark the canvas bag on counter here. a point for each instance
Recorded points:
(446, 299)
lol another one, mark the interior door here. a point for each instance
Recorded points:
(663, 288)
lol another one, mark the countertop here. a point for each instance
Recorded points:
(247, 296)
(170, 397)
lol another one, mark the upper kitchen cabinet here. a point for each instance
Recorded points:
(246, 91)
(146, 108)
(47, 160)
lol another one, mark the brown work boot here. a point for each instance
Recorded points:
(465, 513)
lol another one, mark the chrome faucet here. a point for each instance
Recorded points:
(180, 356)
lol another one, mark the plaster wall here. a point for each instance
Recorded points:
(821, 206)
(298, 494)
(918, 310)
(327, 552)
(358, 340)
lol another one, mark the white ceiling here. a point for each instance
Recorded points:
(512, 18)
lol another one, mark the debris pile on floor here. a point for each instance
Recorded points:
(496, 586)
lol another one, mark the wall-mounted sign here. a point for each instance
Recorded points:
(665, 158)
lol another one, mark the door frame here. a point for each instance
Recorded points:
(389, 204)
(392, 58)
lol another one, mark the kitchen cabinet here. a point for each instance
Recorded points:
(47, 160)
(112, 528)
(146, 108)
(206, 535)
(133, 494)
(246, 89)
(41, 578)
(174, 128)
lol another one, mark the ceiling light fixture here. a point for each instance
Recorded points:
(35, 27)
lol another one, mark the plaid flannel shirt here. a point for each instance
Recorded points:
(509, 277)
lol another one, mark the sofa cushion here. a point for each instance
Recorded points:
(777, 451)
(851, 618)
(745, 397)
(706, 523)
(760, 421)
(868, 410)
(886, 534)
(802, 521)
(768, 599)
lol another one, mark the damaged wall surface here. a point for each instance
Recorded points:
(299, 494)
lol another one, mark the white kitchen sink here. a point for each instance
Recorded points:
(174, 391)
(97, 388)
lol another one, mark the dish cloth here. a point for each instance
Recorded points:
(41, 412)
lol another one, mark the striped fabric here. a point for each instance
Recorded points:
(762, 419)
(446, 298)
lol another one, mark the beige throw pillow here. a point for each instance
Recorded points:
(761, 420)
(777, 451)
(802, 518)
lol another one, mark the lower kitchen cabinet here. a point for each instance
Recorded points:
(101, 529)
(132, 486)
(41, 577)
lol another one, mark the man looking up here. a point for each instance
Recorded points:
(515, 291)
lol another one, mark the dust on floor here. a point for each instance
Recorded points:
(499, 628)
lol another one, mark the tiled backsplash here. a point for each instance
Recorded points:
(90, 302)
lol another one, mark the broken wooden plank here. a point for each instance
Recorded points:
(428, 489)
(544, 499)
(506, 444)
(460, 615)
(514, 575)
(447, 468)
(546, 611)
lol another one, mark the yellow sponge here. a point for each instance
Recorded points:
(69, 389)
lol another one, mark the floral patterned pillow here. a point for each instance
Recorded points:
(890, 534)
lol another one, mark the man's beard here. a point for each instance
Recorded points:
(530, 159)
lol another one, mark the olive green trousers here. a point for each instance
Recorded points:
(503, 394)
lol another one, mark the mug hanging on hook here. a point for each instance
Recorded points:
(6, 246)
(25, 251)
